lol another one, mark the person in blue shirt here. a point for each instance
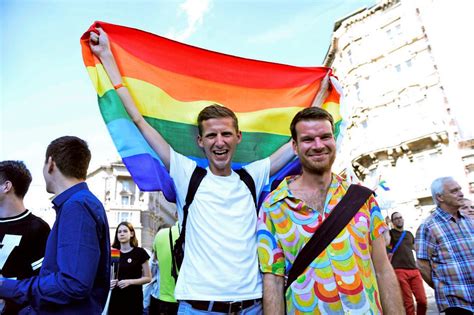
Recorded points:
(75, 275)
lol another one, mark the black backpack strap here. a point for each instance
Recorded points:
(194, 182)
(178, 249)
(339, 217)
(248, 180)
(174, 267)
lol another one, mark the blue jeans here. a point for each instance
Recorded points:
(186, 309)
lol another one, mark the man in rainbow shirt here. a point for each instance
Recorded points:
(353, 274)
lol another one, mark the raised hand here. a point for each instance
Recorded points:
(99, 43)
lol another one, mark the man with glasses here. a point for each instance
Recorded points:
(402, 259)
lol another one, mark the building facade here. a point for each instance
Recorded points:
(123, 201)
(403, 128)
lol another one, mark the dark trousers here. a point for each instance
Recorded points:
(159, 307)
(457, 311)
(411, 284)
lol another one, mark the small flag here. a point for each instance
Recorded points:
(384, 186)
(115, 259)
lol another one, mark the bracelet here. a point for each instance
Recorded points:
(118, 86)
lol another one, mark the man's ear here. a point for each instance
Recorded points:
(294, 146)
(199, 141)
(7, 186)
(239, 136)
(439, 197)
(51, 165)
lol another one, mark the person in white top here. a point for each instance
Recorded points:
(220, 271)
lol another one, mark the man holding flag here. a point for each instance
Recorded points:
(220, 268)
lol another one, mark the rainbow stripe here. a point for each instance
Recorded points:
(171, 82)
(114, 253)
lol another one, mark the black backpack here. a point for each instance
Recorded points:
(177, 251)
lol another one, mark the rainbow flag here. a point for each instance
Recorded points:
(171, 82)
(115, 254)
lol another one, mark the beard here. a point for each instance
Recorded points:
(318, 167)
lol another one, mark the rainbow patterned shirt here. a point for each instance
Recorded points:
(341, 280)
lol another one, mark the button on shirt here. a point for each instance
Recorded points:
(75, 276)
(342, 278)
(447, 243)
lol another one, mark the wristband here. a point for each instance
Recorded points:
(118, 86)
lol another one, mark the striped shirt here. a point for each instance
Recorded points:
(448, 244)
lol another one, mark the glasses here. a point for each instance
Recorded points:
(397, 218)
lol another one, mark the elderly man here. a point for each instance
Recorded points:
(445, 249)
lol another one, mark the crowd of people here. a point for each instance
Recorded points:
(291, 255)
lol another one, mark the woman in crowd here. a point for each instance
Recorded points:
(133, 272)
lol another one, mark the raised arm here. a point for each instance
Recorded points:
(280, 157)
(390, 294)
(100, 46)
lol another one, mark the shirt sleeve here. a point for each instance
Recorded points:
(377, 223)
(144, 255)
(41, 234)
(423, 243)
(260, 172)
(181, 169)
(270, 252)
(78, 254)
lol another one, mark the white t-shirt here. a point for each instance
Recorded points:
(220, 258)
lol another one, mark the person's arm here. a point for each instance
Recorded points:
(100, 46)
(273, 295)
(146, 277)
(78, 254)
(424, 246)
(389, 289)
(425, 270)
(281, 157)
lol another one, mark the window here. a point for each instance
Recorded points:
(124, 216)
(125, 200)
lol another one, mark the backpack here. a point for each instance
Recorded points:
(177, 251)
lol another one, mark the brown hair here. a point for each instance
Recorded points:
(71, 155)
(133, 238)
(216, 111)
(16, 173)
(310, 113)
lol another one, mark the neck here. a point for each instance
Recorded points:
(221, 172)
(398, 229)
(315, 181)
(11, 206)
(125, 247)
(450, 209)
(63, 183)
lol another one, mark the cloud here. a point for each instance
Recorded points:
(195, 11)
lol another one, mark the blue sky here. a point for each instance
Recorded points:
(45, 92)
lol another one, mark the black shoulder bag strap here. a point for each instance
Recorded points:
(339, 217)
(248, 180)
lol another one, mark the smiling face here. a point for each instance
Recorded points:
(219, 140)
(315, 146)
